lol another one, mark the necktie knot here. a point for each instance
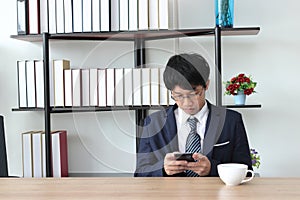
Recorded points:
(192, 121)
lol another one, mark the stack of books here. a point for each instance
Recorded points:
(94, 87)
(68, 16)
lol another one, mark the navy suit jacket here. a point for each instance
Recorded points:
(225, 140)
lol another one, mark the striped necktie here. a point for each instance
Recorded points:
(193, 142)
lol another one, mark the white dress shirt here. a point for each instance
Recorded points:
(183, 128)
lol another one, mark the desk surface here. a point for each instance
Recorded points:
(147, 188)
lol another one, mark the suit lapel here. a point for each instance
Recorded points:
(171, 130)
(214, 128)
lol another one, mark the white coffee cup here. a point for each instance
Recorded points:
(234, 173)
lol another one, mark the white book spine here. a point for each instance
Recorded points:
(173, 14)
(105, 15)
(163, 14)
(77, 15)
(44, 16)
(93, 87)
(124, 15)
(87, 15)
(85, 73)
(164, 97)
(27, 155)
(146, 96)
(128, 91)
(60, 16)
(153, 15)
(143, 15)
(136, 86)
(110, 81)
(30, 77)
(133, 15)
(154, 86)
(102, 87)
(34, 16)
(39, 83)
(37, 155)
(76, 84)
(56, 155)
(22, 86)
(115, 15)
(68, 87)
(58, 76)
(119, 86)
(95, 15)
(52, 16)
(44, 155)
(68, 16)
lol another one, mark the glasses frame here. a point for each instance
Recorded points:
(191, 96)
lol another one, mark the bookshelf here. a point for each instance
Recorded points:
(139, 38)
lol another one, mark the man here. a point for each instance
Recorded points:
(213, 134)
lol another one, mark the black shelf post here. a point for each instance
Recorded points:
(218, 66)
(47, 105)
(139, 62)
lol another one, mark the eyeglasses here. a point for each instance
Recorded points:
(192, 96)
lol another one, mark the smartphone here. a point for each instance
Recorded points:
(184, 156)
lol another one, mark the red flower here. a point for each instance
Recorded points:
(240, 83)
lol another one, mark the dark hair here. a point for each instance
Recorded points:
(187, 71)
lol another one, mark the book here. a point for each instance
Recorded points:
(133, 15)
(22, 17)
(77, 15)
(77, 87)
(153, 14)
(37, 154)
(102, 87)
(93, 87)
(110, 84)
(137, 86)
(163, 14)
(22, 85)
(34, 16)
(60, 16)
(173, 14)
(128, 91)
(143, 15)
(95, 15)
(85, 87)
(154, 76)
(58, 79)
(52, 16)
(68, 95)
(44, 23)
(146, 95)
(115, 15)
(119, 86)
(68, 16)
(30, 82)
(27, 154)
(124, 15)
(59, 153)
(87, 16)
(39, 83)
(105, 15)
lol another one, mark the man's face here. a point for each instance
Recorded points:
(190, 101)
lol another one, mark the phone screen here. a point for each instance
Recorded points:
(185, 156)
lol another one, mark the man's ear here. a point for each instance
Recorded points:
(207, 84)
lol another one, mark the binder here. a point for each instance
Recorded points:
(154, 86)
(59, 153)
(136, 86)
(34, 16)
(39, 83)
(87, 16)
(110, 81)
(44, 21)
(95, 15)
(77, 87)
(105, 15)
(22, 17)
(115, 15)
(146, 95)
(124, 15)
(153, 15)
(128, 91)
(85, 88)
(101, 87)
(163, 14)
(93, 87)
(22, 85)
(37, 154)
(119, 86)
(133, 15)
(27, 155)
(68, 95)
(68, 16)
(52, 16)
(143, 15)
(60, 16)
(77, 15)
(30, 82)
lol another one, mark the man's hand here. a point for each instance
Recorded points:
(173, 166)
(201, 167)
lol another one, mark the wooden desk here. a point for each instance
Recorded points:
(147, 188)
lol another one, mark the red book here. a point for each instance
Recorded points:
(59, 153)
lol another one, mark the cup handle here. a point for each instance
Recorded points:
(250, 178)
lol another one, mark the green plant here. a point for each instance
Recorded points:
(240, 82)
(255, 158)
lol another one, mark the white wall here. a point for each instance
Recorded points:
(104, 142)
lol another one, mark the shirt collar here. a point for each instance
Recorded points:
(182, 116)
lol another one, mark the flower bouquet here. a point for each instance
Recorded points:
(255, 158)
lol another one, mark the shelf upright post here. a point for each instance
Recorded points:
(139, 62)
(218, 65)
(47, 105)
